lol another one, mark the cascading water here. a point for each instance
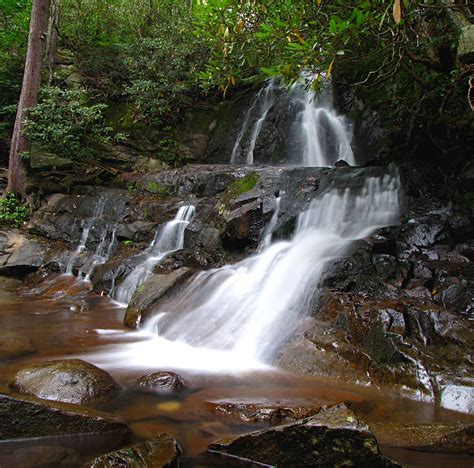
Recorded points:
(319, 137)
(86, 229)
(326, 136)
(252, 127)
(237, 316)
(168, 238)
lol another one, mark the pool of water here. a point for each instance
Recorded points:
(63, 319)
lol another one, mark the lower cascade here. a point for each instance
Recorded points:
(237, 316)
(168, 238)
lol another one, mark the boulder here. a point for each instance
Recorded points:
(161, 452)
(70, 381)
(18, 254)
(155, 288)
(161, 382)
(334, 437)
(25, 417)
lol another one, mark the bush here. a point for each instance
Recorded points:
(66, 124)
(12, 212)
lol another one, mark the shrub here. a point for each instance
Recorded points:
(12, 212)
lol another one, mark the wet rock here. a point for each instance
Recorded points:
(70, 380)
(161, 382)
(448, 437)
(334, 437)
(154, 289)
(263, 410)
(18, 254)
(161, 452)
(47, 457)
(24, 417)
(385, 266)
(456, 297)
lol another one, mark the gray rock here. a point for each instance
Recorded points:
(24, 417)
(18, 254)
(70, 381)
(334, 437)
(456, 297)
(161, 452)
(149, 293)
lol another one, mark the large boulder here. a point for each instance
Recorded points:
(25, 417)
(154, 289)
(18, 254)
(70, 380)
(334, 437)
(161, 452)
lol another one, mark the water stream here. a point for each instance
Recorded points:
(168, 238)
(318, 137)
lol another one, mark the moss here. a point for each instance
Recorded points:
(241, 186)
(160, 189)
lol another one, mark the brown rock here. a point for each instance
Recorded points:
(162, 382)
(25, 416)
(69, 381)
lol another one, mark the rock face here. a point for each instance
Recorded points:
(161, 382)
(155, 288)
(70, 381)
(334, 437)
(18, 254)
(25, 417)
(161, 452)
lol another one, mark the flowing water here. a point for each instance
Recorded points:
(319, 137)
(168, 238)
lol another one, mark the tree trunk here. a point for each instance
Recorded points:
(28, 96)
(52, 38)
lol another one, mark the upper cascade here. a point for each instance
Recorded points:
(296, 127)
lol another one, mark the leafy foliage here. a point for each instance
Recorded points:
(66, 124)
(12, 212)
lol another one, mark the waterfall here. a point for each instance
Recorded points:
(167, 239)
(268, 231)
(250, 307)
(251, 126)
(104, 251)
(86, 229)
(326, 136)
(318, 137)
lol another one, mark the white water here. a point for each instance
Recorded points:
(263, 102)
(326, 136)
(320, 137)
(234, 318)
(168, 238)
(268, 231)
(86, 229)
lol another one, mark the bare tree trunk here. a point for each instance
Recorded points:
(52, 37)
(28, 96)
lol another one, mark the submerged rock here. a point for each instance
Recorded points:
(334, 437)
(447, 437)
(18, 254)
(276, 412)
(47, 457)
(155, 288)
(162, 382)
(14, 346)
(70, 381)
(25, 416)
(161, 452)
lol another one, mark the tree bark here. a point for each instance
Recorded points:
(28, 95)
(52, 38)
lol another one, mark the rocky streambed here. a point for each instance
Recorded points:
(394, 312)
